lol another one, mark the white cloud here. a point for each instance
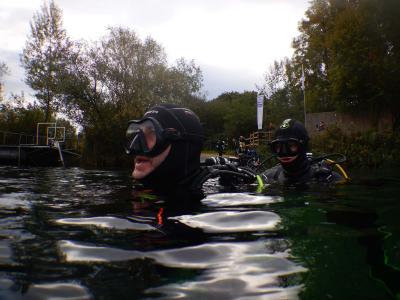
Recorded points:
(233, 41)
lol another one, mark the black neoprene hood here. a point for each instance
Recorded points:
(184, 157)
(180, 118)
(291, 128)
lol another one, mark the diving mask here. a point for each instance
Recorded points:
(286, 147)
(148, 138)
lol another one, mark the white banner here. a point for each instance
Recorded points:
(260, 107)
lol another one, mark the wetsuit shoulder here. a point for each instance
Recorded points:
(272, 175)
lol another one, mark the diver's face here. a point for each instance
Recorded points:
(144, 165)
(286, 150)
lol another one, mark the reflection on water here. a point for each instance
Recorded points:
(231, 221)
(82, 234)
(107, 222)
(239, 199)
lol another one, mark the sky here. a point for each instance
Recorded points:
(234, 42)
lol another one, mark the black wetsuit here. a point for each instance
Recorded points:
(190, 188)
(309, 173)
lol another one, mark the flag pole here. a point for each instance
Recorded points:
(304, 95)
(260, 108)
(305, 113)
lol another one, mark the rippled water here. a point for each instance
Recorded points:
(83, 234)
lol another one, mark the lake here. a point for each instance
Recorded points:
(84, 234)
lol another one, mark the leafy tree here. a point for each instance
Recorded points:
(358, 51)
(388, 22)
(350, 52)
(18, 123)
(312, 54)
(229, 116)
(125, 76)
(118, 79)
(283, 93)
(45, 56)
(241, 114)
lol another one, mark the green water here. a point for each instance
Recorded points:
(83, 234)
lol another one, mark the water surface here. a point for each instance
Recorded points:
(84, 234)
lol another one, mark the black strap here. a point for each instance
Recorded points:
(220, 170)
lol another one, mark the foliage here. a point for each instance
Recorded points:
(362, 149)
(45, 56)
(102, 85)
(350, 52)
(118, 79)
(284, 97)
(15, 119)
(124, 75)
(18, 118)
(228, 116)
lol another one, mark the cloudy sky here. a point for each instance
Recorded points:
(233, 41)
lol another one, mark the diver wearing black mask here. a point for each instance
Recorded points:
(290, 146)
(166, 144)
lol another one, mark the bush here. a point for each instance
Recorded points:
(362, 149)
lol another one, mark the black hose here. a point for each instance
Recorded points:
(342, 158)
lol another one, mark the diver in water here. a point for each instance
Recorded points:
(295, 168)
(166, 144)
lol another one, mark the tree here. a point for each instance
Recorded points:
(312, 54)
(45, 56)
(349, 49)
(124, 74)
(117, 79)
(283, 93)
(229, 115)
(240, 117)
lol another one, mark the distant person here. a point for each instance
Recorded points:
(235, 146)
(321, 126)
(253, 161)
(220, 147)
(242, 144)
(252, 152)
